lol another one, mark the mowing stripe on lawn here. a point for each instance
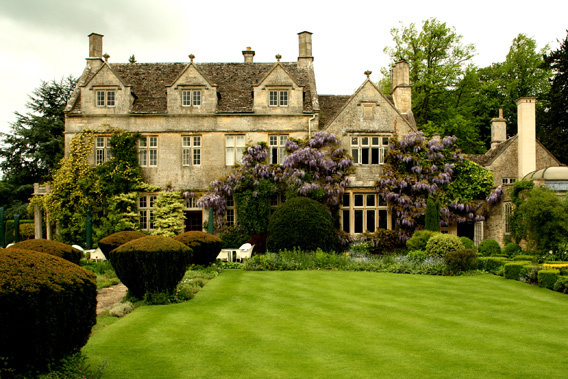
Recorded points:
(342, 324)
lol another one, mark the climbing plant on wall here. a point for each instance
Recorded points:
(317, 168)
(416, 168)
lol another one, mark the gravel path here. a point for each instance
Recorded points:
(107, 297)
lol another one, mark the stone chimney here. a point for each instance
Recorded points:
(526, 124)
(498, 130)
(305, 59)
(400, 86)
(248, 54)
(95, 58)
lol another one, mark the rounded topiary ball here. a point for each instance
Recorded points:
(111, 242)
(58, 249)
(153, 264)
(440, 244)
(303, 223)
(489, 247)
(47, 307)
(205, 246)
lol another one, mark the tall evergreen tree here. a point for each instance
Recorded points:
(554, 132)
(35, 145)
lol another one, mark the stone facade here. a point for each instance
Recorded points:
(195, 118)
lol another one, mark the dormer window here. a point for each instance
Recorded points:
(106, 98)
(191, 98)
(278, 98)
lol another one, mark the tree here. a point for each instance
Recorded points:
(554, 131)
(520, 75)
(541, 218)
(168, 214)
(432, 216)
(438, 61)
(34, 147)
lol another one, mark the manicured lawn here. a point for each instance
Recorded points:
(332, 324)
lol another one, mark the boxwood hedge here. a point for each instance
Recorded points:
(47, 307)
(58, 249)
(149, 265)
(205, 246)
(114, 240)
(301, 223)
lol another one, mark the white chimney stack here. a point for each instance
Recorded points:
(526, 124)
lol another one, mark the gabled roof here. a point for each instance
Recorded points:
(234, 83)
(492, 154)
(334, 105)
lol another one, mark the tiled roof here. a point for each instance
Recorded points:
(488, 158)
(234, 83)
(330, 105)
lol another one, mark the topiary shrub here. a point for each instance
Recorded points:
(419, 239)
(58, 249)
(301, 223)
(489, 248)
(512, 249)
(529, 273)
(468, 244)
(153, 264)
(205, 246)
(461, 260)
(47, 307)
(440, 244)
(547, 278)
(111, 242)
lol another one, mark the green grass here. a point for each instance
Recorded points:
(333, 324)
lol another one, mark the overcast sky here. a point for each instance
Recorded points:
(47, 39)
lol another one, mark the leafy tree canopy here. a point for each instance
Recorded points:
(34, 146)
(554, 131)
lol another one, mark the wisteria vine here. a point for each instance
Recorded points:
(416, 168)
(318, 168)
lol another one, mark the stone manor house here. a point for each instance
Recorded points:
(195, 119)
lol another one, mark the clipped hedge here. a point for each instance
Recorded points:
(489, 248)
(301, 223)
(150, 265)
(512, 270)
(419, 239)
(205, 246)
(493, 265)
(440, 244)
(55, 248)
(524, 258)
(547, 278)
(461, 260)
(115, 240)
(47, 307)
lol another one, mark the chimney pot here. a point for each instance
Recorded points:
(248, 54)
